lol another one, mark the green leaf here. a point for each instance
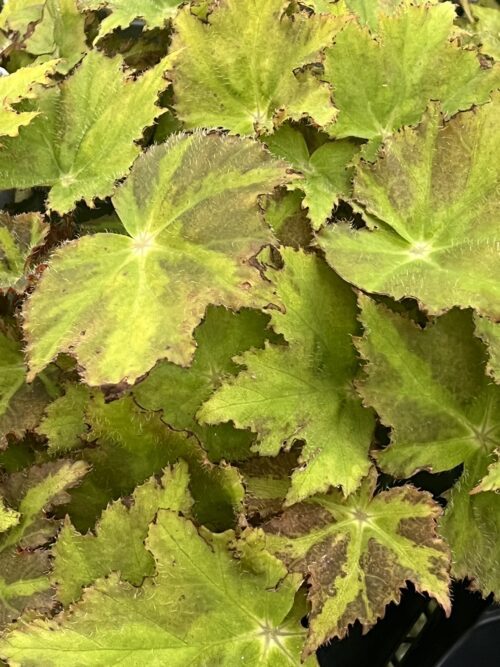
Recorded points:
(410, 61)
(180, 392)
(359, 553)
(122, 13)
(471, 526)
(288, 220)
(489, 333)
(244, 607)
(17, 15)
(326, 172)
(430, 202)
(117, 543)
(219, 77)
(8, 517)
(88, 152)
(22, 85)
(59, 34)
(19, 237)
(24, 559)
(491, 481)
(130, 445)
(429, 386)
(304, 391)
(21, 404)
(64, 421)
(190, 209)
(486, 30)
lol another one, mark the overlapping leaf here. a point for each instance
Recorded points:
(19, 237)
(219, 77)
(326, 172)
(63, 423)
(180, 392)
(247, 610)
(21, 85)
(432, 205)
(358, 553)
(87, 152)
(489, 332)
(118, 542)
(60, 33)
(122, 13)
(24, 559)
(21, 404)
(190, 209)
(384, 81)
(304, 391)
(430, 387)
(130, 445)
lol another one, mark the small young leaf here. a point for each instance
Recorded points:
(220, 79)
(360, 552)
(190, 209)
(326, 172)
(434, 192)
(204, 607)
(88, 152)
(64, 421)
(304, 391)
(19, 237)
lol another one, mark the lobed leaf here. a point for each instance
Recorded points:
(246, 611)
(359, 552)
(190, 211)
(327, 174)
(88, 153)
(219, 80)
(304, 391)
(431, 201)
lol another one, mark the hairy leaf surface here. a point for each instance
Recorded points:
(245, 602)
(458, 413)
(190, 210)
(410, 61)
(220, 79)
(471, 525)
(87, 152)
(431, 202)
(304, 391)
(64, 421)
(131, 446)
(21, 404)
(20, 235)
(24, 561)
(117, 543)
(358, 553)
(180, 392)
